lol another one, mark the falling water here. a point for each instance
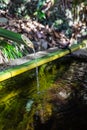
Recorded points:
(37, 76)
(30, 44)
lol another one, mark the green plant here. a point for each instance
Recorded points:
(10, 51)
(15, 49)
(40, 14)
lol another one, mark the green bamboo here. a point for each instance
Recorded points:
(11, 35)
(9, 73)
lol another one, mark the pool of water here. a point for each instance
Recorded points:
(61, 103)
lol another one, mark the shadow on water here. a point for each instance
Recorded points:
(60, 105)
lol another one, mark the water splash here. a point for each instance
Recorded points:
(37, 75)
(30, 44)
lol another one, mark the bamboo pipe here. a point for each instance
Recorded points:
(11, 35)
(9, 73)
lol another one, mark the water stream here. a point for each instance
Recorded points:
(37, 75)
(30, 45)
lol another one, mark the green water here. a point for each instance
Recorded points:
(22, 108)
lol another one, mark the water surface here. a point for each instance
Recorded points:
(61, 103)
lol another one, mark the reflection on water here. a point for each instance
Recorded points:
(60, 105)
(29, 105)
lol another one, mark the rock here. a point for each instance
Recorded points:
(44, 44)
(81, 53)
(41, 45)
(3, 20)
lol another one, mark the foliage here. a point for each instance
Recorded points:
(42, 8)
(66, 16)
(18, 8)
(40, 14)
(12, 50)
